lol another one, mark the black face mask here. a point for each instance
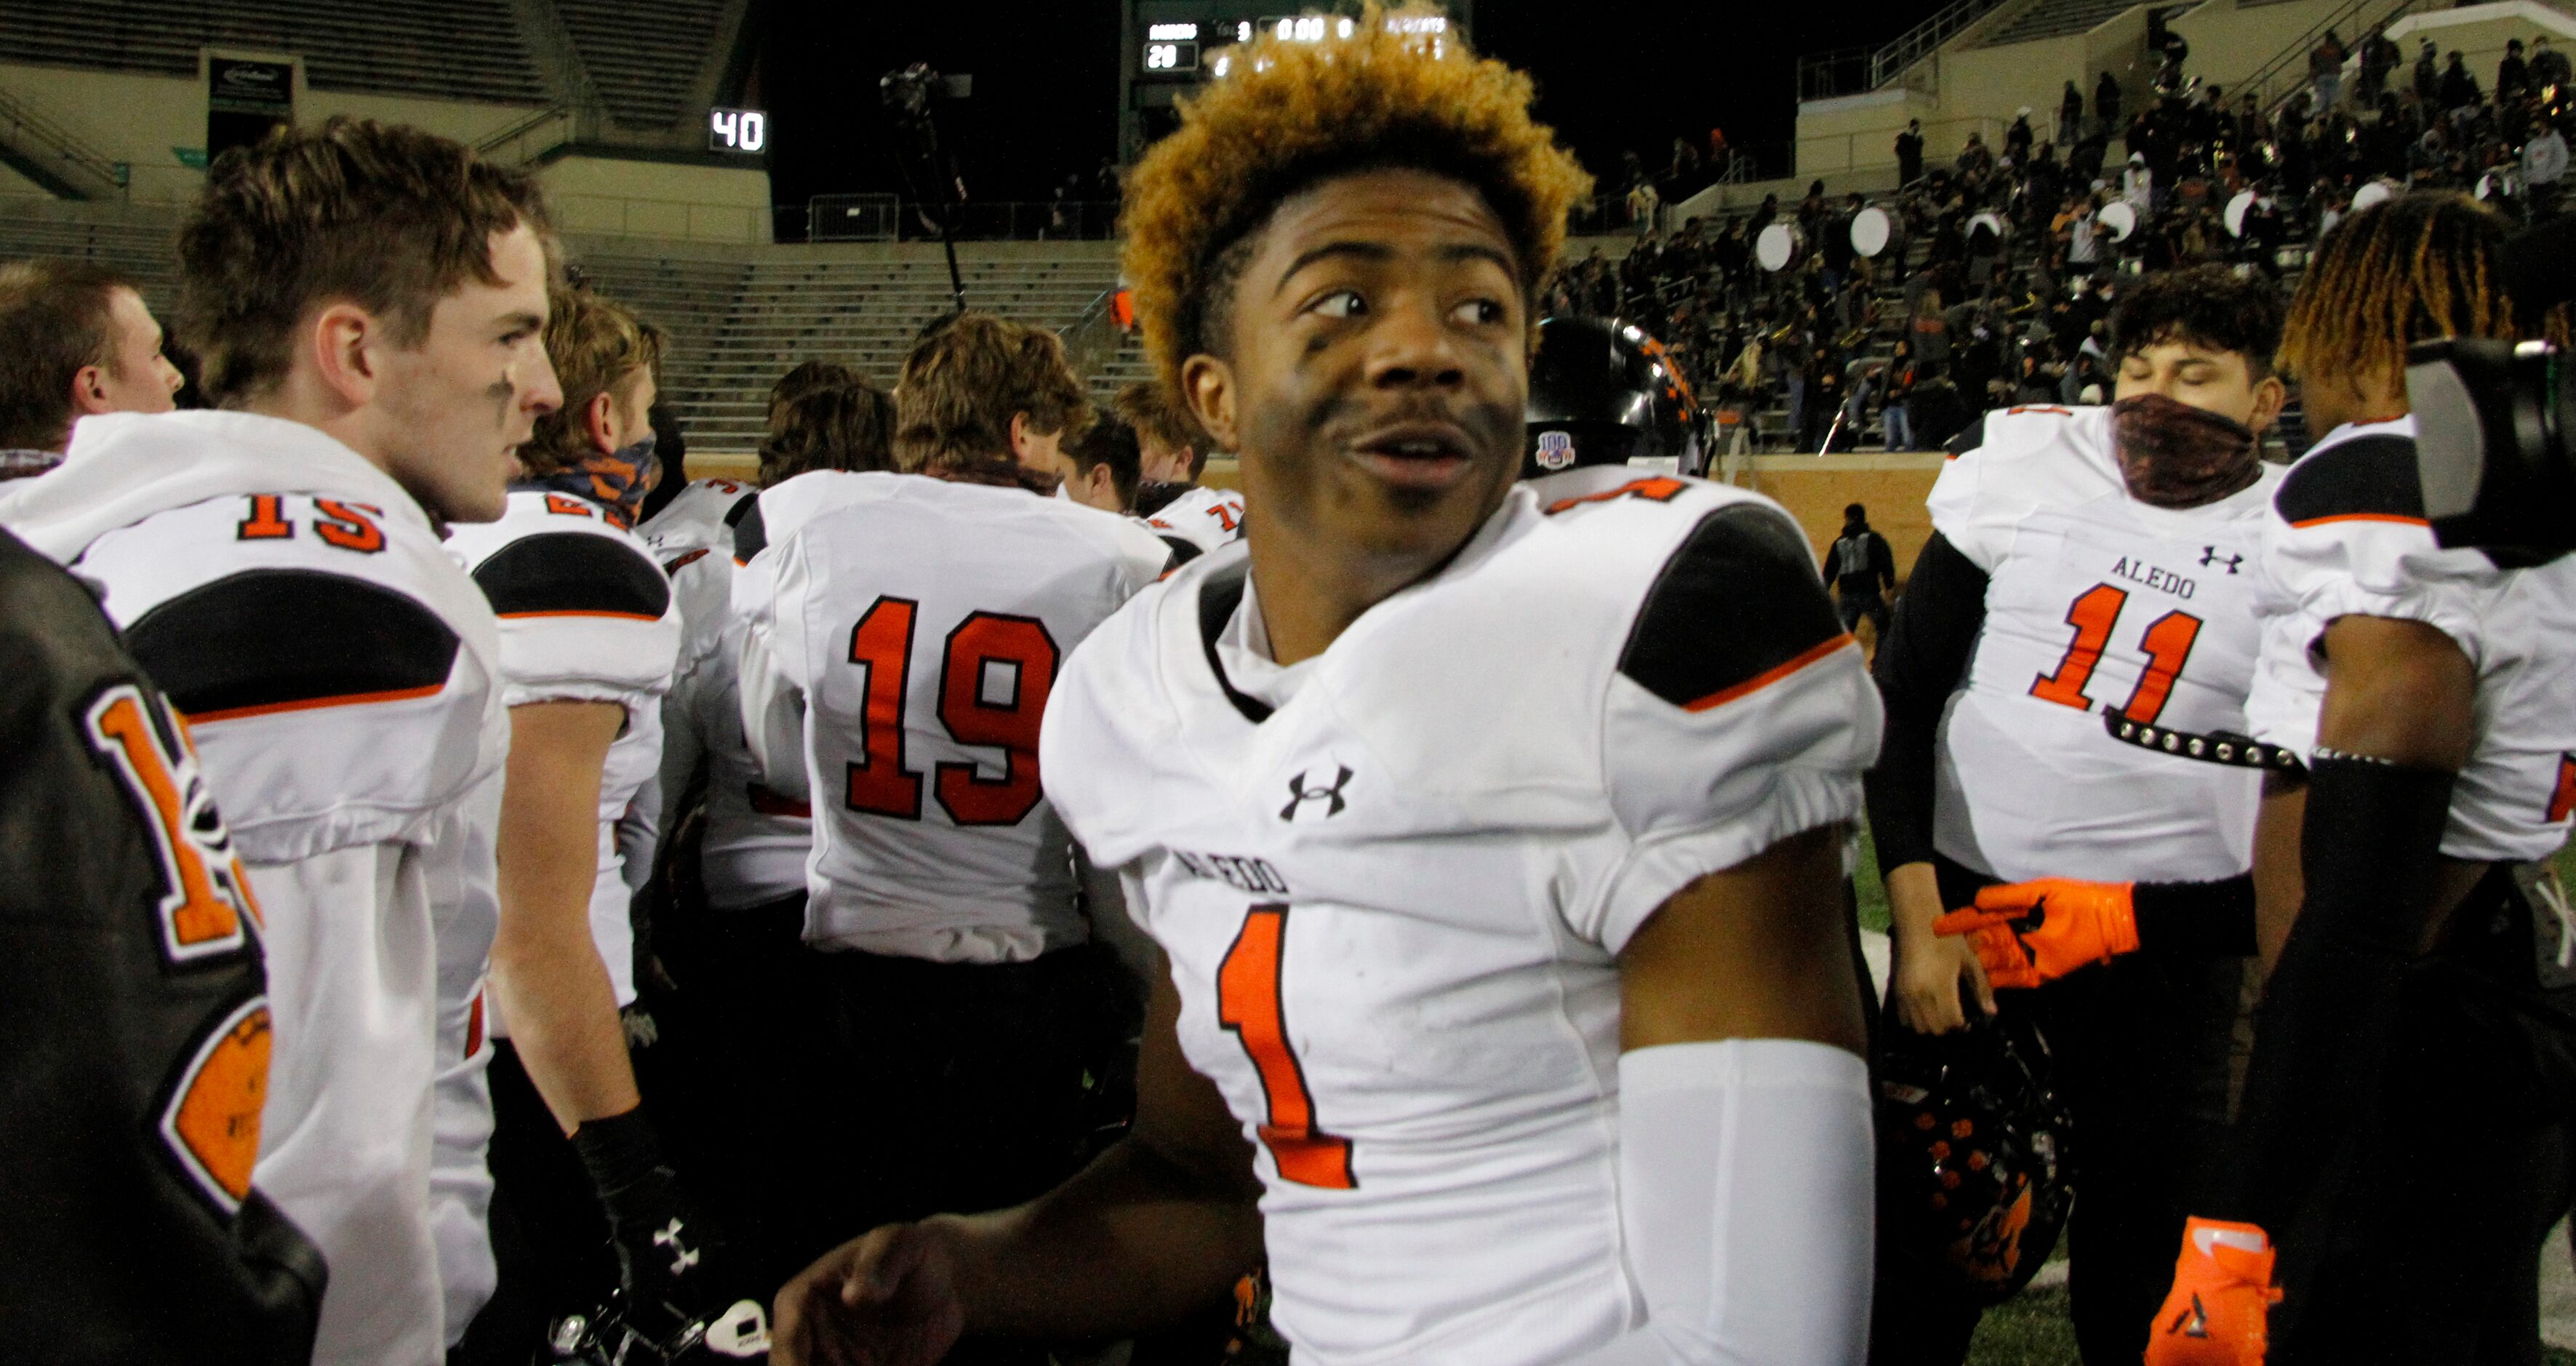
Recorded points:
(2173, 455)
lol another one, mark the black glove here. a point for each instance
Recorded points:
(673, 1271)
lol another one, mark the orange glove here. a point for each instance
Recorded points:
(2026, 933)
(2222, 1290)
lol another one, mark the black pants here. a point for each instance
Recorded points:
(1854, 606)
(731, 1053)
(941, 1087)
(549, 1237)
(2421, 1242)
(2140, 1048)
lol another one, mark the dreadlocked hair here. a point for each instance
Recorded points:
(1389, 91)
(2419, 267)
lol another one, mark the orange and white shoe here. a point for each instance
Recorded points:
(2222, 1293)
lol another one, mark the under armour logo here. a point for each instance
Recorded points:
(2194, 1324)
(1299, 794)
(2209, 555)
(682, 1257)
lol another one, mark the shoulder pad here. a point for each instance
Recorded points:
(283, 639)
(750, 536)
(2369, 478)
(1183, 549)
(573, 573)
(1737, 604)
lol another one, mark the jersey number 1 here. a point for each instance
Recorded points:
(881, 785)
(2096, 610)
(1247, 1003)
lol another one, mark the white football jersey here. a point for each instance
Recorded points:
(2095, 602)
(586, 616)
(702, 513)
(2346, 536)
(753, 847)
(341, 679)
(1203, 517)
(917, 628)
(1391, 881)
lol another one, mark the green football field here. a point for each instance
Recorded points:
(2033, 1329)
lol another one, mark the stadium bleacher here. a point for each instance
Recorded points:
(626, 47)
(444, 49)
(2055, 19)
(737, 325)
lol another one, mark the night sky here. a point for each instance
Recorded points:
(1612, 74)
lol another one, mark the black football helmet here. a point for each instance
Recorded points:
(1602, 392)
(1974, 1164)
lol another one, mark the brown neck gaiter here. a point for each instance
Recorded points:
(2173, 455)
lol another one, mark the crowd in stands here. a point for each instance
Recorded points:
(2000, 264)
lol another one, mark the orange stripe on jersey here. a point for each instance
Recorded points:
(2397, 518)
(1771, 675)
(355, 699)
(577, 612)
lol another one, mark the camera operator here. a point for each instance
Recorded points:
(2403, 1125)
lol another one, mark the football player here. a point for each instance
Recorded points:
(137, 1029)
(369, 302)
(737, 848)
(1491, 830)
(902, 633)
(2400, 1146)
(589, 633)
(1101, 467)
(2088, 560)
(1171, 456)
(75, 339)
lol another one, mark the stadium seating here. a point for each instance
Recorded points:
(2054, 19)
(445, 49)
(642, 55)
(738, 327)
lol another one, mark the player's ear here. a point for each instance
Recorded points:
(1207, 385)
(2270, 397)
(599, 419)
(343, 339)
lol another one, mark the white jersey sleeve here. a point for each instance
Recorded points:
(2347, 536)
(1201, 519)
(586, 616)
(1741, 714)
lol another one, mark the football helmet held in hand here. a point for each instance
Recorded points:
(1974, 1181)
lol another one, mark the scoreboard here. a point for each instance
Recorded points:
(1173, 45)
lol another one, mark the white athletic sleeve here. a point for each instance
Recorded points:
(1745, 1204)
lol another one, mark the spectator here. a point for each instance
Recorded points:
(1644, 205)
(2459, 89)
(2138, 186)
(2325, 69)
(1909, 153)
(2513, 74)
(2106, 102)
(2548, 65)
(2070, 115)
(1893, 413)
(2017, 138)
(2379, 59)
(75, 339)
(1863, 569)
(2544, 163)
(2428, 72)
